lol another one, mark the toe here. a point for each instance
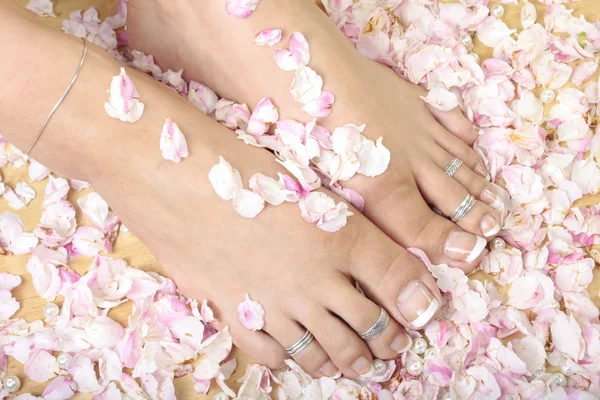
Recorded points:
(457, 148)
(456, 123)
(312, 358)
(263, 348)
(446, 194)
(398, 281)
(397, 207)
(345, 348)
(473, 182)
(361, 314)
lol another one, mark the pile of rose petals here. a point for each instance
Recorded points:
(506, 336)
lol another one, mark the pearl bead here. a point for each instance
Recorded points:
(415, 368)
(566, 369)
(497, 243)
(419, 345)
(497, 11)
(51, 310)
(12, 384)
(380, 367)
(221, 396)
(467, 41)
(475, 56)
(63, 360)
(560, 379)
(446, 396)
(430, 352)
(547, 96)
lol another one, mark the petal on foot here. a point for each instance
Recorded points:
(251, 314)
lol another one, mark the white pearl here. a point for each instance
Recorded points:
(497, 11)
(560, 379)
(419, 345)
(63, 360)
(430, 352)
(475, 56)
(51, 310)
(12, 384)
(547, 96)
(566, 369)
(497, 243)
(446, 396)
(380, 367)
(221, 396)
(467, 41)
(415, 368)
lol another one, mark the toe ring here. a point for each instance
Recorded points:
(453, 166)
(300, 344)
(463, 208)
(378, 327)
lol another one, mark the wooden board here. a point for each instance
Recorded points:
(133, 251)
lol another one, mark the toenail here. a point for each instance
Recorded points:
(417, 304)
(462, 246)
(489, 226)
(401, 343)
(480, 170)
(329, 369)
(489, 197)
(363, 366)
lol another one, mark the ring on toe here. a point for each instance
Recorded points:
(463, 208)
(301, 344)
(378, 327)
(453, 166)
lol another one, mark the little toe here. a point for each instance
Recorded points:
(384, 336)
(456, 123)
(449, 196)
(263, 348)
(345, 348)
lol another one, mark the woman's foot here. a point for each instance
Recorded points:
(422, 141)
(302, 276)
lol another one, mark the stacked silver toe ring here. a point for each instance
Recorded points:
(378, 327)
(453, 166)
(300, 344)
(463, 208)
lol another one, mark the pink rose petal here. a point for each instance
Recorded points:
(251, 314)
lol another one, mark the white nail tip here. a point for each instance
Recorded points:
(476, 252)
(426, 316)
(492, 231)
(408, 346)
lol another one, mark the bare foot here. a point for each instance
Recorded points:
(303, 277)
(217, 49)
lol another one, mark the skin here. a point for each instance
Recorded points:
(302, 276)
(421, 146)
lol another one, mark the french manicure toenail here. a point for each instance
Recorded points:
(463, 246)
(329, 369)
(417, 304)
(401, 343)
(480, 169)
(489, 197)
(363, 366)
(489, 226)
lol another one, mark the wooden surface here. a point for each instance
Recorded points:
(130, 248)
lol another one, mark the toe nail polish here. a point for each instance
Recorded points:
(463, 246)
(417, 304)
(401, 343)
(363, 367)
(489, 197)
(489, 226)
(329, 369)
(480, 169)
